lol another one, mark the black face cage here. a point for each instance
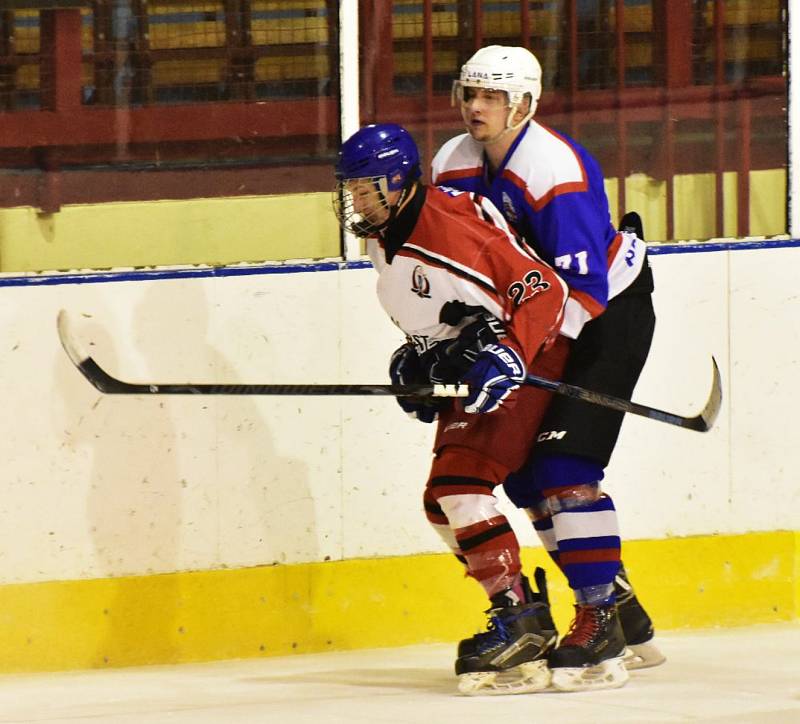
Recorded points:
(373, 211)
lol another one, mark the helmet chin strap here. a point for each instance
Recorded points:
(523, 120)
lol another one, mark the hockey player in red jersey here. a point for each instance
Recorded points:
(550, 189)
(448, 265)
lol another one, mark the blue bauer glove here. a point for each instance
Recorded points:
(405, 369)
(497, 372)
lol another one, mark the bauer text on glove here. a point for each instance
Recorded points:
(497, 372)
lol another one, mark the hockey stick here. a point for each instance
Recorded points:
(109, 385)
(701, 423)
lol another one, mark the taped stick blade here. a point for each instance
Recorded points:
(711, 410)
(68, 342)
(79, 357)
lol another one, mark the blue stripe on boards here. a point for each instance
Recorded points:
(142, 275)
(707, 246)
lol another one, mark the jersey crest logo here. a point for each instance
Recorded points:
(531, 285)
(508, 209)
(420, 284)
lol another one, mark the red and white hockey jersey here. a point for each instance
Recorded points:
(451, 246)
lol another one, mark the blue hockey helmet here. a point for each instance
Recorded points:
(382, 149)
(375, 163)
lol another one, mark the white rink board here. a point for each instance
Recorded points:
(97, 486)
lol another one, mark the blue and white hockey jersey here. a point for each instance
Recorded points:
(551, 191)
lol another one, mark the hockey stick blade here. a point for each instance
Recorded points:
(105, 383)
(701, 423)
(109, 385)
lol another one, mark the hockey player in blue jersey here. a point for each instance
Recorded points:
(551, 191)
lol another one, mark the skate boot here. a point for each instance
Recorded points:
(641, 652)
(511, 657)
(470, 645)
(591, 655)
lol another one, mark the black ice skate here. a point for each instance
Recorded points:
(509, 658)
(470, 645)
(591, 655)
(636, 625)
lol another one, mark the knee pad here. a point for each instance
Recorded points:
(462, 511)
(459, 507)
(567, 482)
(461, 487)
(573, 497)
(554, 476)
(459, 510)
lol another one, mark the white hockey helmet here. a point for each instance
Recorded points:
(512, 69)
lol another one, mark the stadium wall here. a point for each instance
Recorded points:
(138, 530)
(301, 226)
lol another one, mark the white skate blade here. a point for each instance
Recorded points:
(523, 679)
(643, 656)
(610, 674)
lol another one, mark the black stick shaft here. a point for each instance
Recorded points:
(701, 422)
(112, 386)
(107, 384)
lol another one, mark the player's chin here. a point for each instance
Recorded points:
(478, 131)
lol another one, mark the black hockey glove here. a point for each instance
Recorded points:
(405, 369)
(449, 361)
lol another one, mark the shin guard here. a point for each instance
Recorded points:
(460, 491)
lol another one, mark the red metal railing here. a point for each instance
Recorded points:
(687, 115)
(674, 98)
(66, 131)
